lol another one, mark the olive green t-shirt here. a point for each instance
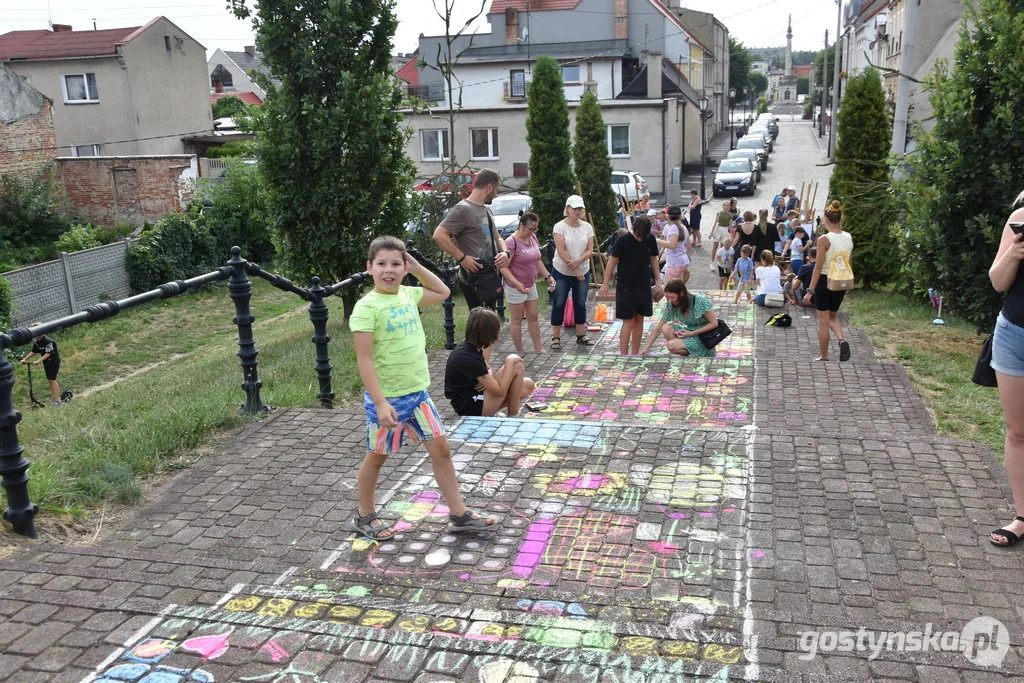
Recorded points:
(399, 345)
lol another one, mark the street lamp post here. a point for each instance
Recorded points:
(732, 104)
(703, 104)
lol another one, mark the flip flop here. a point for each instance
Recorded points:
(1011, 538)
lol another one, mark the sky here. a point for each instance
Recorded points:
(755, 23)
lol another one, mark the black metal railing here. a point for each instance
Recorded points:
(20, 511)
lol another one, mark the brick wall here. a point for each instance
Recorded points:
(28, 145)
(105, 190)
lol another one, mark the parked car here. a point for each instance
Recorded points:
(734, 176)
(747, 154)
(628, 185)
(507, 208)
(755, 143)
(443, 182)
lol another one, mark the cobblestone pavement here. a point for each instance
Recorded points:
(665, 519)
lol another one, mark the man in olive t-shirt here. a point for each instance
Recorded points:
(466, 232)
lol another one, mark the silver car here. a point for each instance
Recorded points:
(507, 208)
(747, 154)
(735, 176)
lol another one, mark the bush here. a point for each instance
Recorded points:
(31, 219)
(176, 249)
(79, 237)
(6, 304)
(238, 148)
(235, 214)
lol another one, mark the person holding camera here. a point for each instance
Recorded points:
(469, 236)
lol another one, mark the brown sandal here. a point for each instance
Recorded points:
(583, 340)
(556, 343)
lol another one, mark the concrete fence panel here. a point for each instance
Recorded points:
(51, 290)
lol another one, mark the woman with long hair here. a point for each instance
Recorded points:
(826, 301)
(520, 278)
(686, 316)
(635, 256)
(1007, 275)
(574, 244)
(674, 240)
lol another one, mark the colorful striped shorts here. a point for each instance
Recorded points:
(417, 417)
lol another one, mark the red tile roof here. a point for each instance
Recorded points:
(247, 97)
(409, 73)
(46, 44)
(535, 5)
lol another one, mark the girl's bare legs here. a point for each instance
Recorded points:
(823, 328)
(513, 386)
(533, 325)
(1011, 389)
(625, 334)
(833, 324)
(366, 480)
(638, 333)
(444, 474)
(515, 325)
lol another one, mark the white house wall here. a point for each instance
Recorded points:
(240, 81)
(656, 131)
(483, 84)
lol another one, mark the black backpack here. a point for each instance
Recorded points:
(779, 320)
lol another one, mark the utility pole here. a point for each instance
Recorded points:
(835, 87)
(899, 125)
(824, 88)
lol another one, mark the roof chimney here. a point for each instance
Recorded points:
(511, 26)
(62, 28)
(653, 61)
(218, 86)
(250, 50)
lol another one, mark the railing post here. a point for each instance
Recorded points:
(318, 313)
(449, 318)
(20, 512)
(240, 288)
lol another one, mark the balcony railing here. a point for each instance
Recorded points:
(433, 92)
(514, 90)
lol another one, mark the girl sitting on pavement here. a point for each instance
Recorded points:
(768, 276)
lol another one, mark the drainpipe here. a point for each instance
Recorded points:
(664, 148)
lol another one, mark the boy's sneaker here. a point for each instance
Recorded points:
(54, 404)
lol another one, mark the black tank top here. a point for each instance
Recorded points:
(1013, 305)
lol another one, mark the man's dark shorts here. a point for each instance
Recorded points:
(52, 369)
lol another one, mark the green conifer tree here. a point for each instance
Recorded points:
(860, 177)
(593, 167)
(968, 169)
(330, 140)
(547, 133)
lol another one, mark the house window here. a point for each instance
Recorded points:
(80, 88)
(87, 150)
(434, 145)
(483, 143)
(571, 73)
(618, 140)
(518, 82)
(221, 74)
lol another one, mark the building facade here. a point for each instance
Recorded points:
(127, 91)
(646, 68)
(28, 141)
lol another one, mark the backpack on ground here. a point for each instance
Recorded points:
(779, 320)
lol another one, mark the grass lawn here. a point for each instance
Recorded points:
(939, 359)
(154, 384)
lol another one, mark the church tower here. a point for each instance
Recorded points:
(789, 47)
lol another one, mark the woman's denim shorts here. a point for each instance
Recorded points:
(1008, 348)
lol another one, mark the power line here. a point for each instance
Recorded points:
(109, 142)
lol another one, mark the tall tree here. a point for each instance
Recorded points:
(330, 140)
(547, 133)
(860, 177)
(758, 83)
(593, 167)
(968, 168)
(739, 70)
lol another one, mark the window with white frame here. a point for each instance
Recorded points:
(517, 80)
(571, 73)
(87, 150)
(483, 143)
(618, 139)
(80, 88)
(434, 145)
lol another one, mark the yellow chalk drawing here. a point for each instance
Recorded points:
(310, 610)
(683, 649)
(726, 654)
(276, 607)
(344, 613)
(377, 618)
(243, 604)
(416, 623)
(639, 646)
(685, 484)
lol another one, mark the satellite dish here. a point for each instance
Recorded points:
(524, 35)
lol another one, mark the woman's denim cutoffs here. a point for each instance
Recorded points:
(1008, 348)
